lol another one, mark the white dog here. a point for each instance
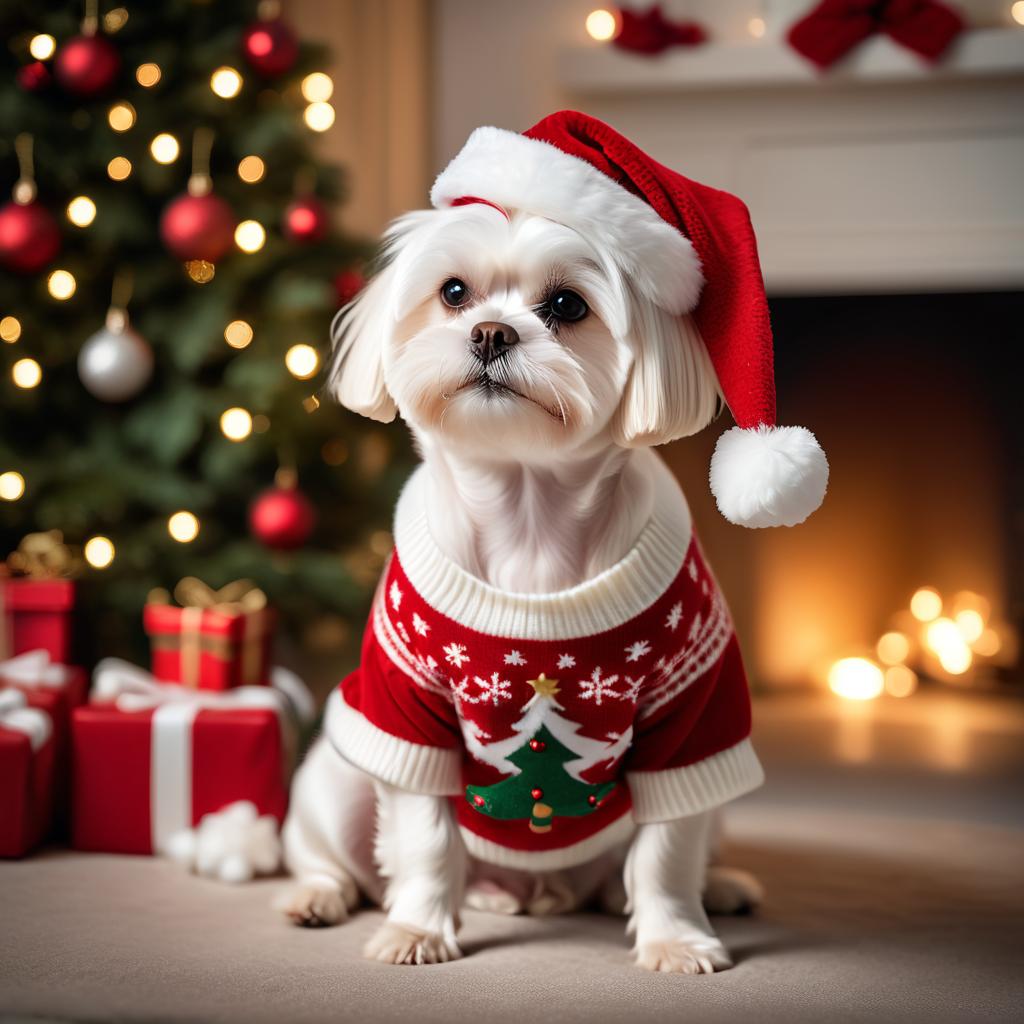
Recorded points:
(523, 333)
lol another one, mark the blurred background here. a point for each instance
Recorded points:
(884, 189)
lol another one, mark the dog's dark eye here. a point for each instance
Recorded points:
(568, 306)
(454, 293)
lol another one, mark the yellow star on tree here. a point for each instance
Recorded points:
(543, 686)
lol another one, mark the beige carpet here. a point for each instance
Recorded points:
(877, 922)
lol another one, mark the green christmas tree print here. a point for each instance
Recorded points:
(542, 788)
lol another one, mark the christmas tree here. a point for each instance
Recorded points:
(544, 760)
(169, 274)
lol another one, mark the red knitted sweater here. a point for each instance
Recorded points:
(555, 722)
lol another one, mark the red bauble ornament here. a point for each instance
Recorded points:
(281, 518)
(537, 745)
(87, 65)
(592, 800)
(306, 220)
(536, 792)
(198, 227)
(270, 47)
(29, 237)
(33, 77)
(478, 800)
(348, 284)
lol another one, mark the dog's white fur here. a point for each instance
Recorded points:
(533, 487)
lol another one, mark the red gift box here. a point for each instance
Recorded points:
(156, 758)
(213, 643)
(34, 614)
(27, 769)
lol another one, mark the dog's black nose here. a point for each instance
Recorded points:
(491, 339)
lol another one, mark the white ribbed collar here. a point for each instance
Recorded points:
(609, 599)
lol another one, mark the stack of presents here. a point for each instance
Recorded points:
(137, 761)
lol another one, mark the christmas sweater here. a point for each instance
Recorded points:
(555, 722)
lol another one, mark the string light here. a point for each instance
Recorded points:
(251, 169)
(319, 116)
(250, 236)
(121, 117)
(602, 25)
(238, 334)
(1016, 12)
(81, 211)
(317, 87)
(42, 47)
(988, 644)
(12, 485)
(201, 271)
(26, 373)
(892, 648)
(945, 639)
(10, 329)
(99, 552)
(302, 361)
(61, 284)
(856, 679)
(183, 527)
(757, 27)
(164, 148)
(119, 168)
(226, 83)
(147, 75)
(236, 423)
(900, 681)
(971, 624)
(926, 604)
(115, 20)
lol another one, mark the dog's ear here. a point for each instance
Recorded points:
(360, 331)
(672, 390)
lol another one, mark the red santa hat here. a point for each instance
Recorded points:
(691, 249)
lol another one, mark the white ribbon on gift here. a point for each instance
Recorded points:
(175, 707)
(15, 715)
(35, 669)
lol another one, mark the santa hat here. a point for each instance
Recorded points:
(691, 249)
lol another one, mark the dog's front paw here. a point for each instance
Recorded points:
(678, 956)
(400, 944)
(316, 906)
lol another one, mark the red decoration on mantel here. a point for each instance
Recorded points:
(650, 32)
(835, 27)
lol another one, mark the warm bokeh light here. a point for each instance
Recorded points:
(856, 679)
(236, 423)
(164, 148)
(602, 25)
(250, 236)
(926, 604)
(238, 334)
(970, 623)
(121, 117)
(757, 27)
(311, 403)
(115, 20)
(900, 681)
(302, 361)
(226, 83)
(12, 485)
(147, 75)
(947, 642)
(260, 423)
(201, 271)
(42, 47)
(317, 87)
(251, 169)
(119, 168)
(183, 527)
(26, 373)
(892, 648)
(10, 329)
(81, 211)
(988, 644)
(99, 552)
(319, 116)
(1017, 12)
(61, 284)
(968, 600)
(334, 452)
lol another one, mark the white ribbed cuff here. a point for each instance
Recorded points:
(679, 792)
(415, 767)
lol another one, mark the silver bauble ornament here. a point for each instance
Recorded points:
(115, 364)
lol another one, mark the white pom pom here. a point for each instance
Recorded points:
(181, 848)
(768, 476)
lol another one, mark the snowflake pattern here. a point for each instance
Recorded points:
(427, 663)
(455, 654)
(419, 624)
(492, 690)
(635, 651)
(597, 687)
(695, 628)
(692, 570)
(566, 661)
(396, 595)
(400, 626)
(514, 658)
(674, 616)
(633, 688)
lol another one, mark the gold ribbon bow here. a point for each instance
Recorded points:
(42, 556)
